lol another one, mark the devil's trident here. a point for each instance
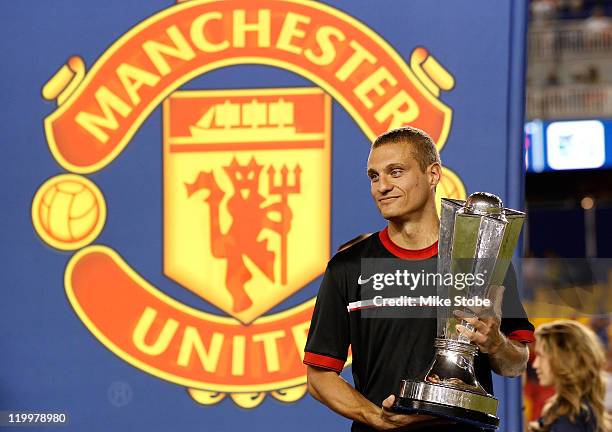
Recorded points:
(284, 189)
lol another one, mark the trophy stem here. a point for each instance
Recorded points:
(453, 366)
(450, 388)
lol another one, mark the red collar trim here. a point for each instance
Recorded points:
(400, 252)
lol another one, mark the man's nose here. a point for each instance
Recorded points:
(384, 185)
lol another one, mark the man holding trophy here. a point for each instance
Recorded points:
(432, 364)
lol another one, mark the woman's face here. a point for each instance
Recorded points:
(542, 366)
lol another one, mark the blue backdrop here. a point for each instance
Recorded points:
(50, 362)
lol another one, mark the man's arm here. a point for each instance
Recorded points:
(508, 357)
(332, 390)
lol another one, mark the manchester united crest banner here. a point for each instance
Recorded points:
(177, 174)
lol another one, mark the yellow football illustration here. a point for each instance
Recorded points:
(68, 211)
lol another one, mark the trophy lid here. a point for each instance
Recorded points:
(484, 204)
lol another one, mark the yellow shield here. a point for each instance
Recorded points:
(246, 194)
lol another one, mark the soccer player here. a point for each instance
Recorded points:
(404, 168)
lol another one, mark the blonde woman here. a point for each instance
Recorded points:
(570, 357)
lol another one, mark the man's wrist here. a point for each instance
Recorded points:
(373, 417)
(499, 347)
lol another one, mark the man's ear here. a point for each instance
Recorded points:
(434, 174)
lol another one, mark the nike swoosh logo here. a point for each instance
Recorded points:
(361, 281)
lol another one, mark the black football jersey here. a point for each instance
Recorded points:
(385, 350)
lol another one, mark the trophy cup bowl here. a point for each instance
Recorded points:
(477, 236)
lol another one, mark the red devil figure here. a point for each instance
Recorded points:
(249, 218)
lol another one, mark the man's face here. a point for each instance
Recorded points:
(398, 185)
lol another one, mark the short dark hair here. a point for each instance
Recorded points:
(423, 148)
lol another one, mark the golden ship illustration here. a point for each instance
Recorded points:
(252, 121)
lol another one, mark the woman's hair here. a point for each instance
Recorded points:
(576, 359)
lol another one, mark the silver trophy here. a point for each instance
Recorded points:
(477, 236)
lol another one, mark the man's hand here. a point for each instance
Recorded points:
(403, 422)
(508, 357)
(486, 334)
(390, 420)
(486, 323)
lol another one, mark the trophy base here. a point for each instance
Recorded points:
(458, 405)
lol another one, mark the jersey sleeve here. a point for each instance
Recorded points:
(329, 335)
(515, 324)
